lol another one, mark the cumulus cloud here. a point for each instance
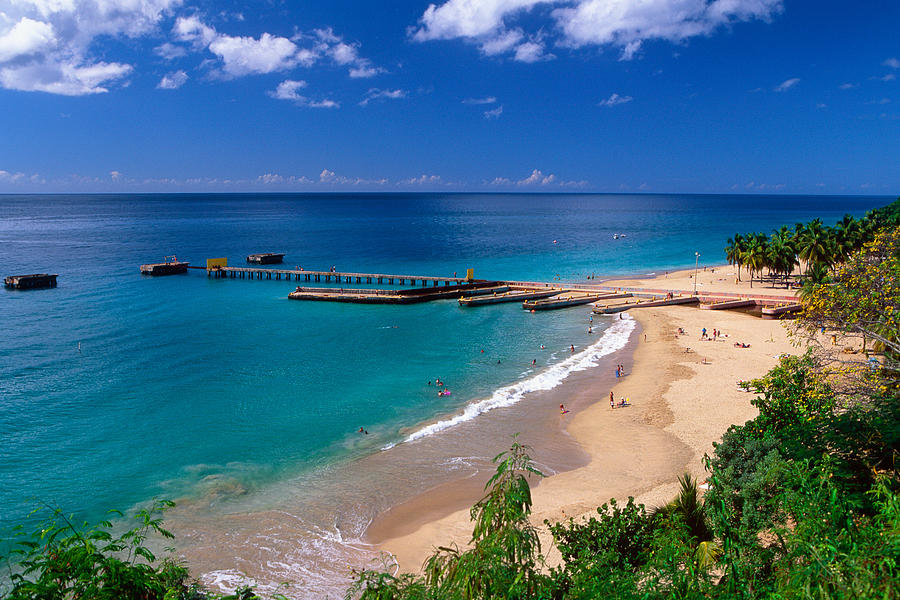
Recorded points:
(329, 177)
(494, 113)
(170, 51)
(289, 90)
(8, 177)
(376, 94)
(787, 84)
(172, 81)
(537, 178)
(247, 55)
(423, 180)
(276, 179)
(893, 63)
(497, 26)
(614, 100)
(48, 46)
(888, 77)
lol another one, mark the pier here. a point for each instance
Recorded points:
(332, 276)
(170, 266)
(471, 292)
(407, 296)
(31, 282)
(266, 258)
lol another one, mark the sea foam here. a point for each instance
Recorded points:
(610, 340)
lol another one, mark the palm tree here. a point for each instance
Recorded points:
(780, 252)
(754, 256)
(813, 244)
(734, 251)
(689, 510)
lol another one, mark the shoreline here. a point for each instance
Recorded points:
(680, 406)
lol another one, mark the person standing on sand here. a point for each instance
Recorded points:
(612, 401)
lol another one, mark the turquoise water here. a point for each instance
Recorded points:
(115, 388)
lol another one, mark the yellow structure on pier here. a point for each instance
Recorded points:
(216, 263)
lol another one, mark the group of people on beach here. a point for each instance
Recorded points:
(622, 402)
(716, 334)
(620, 371)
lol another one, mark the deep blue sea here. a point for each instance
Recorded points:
(116, 388)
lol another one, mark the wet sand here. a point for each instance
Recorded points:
(681, 404)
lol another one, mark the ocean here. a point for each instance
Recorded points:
(116, 388)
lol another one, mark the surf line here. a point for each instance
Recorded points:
(612, 339)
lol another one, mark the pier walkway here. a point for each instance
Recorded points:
(329, 276)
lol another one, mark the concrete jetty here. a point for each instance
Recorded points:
(170, 266)
(773, 312)
(31, 282)
(729, 304)
(563, 300)
(639, 303)
(511, 296)
(266, 258)
(380, 296)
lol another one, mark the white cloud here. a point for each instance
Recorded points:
(537, 177)
(364, 72)
(376, 94)
(530, 52)
(848, 86)
(496, 25)
(115, 175)
(485, 100)
(893, 63)
(170, 51)
(6, 176)
(243, 55)
(880, 101)
(888, 77)
(173, 81)
(26, 37)
(787, 84)
(494, 113)
(49, 45)
(614, 100)
(630, 49)
(246, 55)
(503, 41)
(329, 177)
(276, 179)
(288, 90)
(423, 180)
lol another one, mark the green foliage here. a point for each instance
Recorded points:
(619, 539)
(59, 560)
(62, 560)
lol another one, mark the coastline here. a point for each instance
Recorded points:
(680, 406)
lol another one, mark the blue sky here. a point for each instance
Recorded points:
(706, 96)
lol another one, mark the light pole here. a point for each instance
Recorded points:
(696, 264)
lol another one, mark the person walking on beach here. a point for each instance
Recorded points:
(612, 401)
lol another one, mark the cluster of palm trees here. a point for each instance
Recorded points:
(814, 247)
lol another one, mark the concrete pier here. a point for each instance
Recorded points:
(31, 282)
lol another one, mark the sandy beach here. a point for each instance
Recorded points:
(683, 396)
